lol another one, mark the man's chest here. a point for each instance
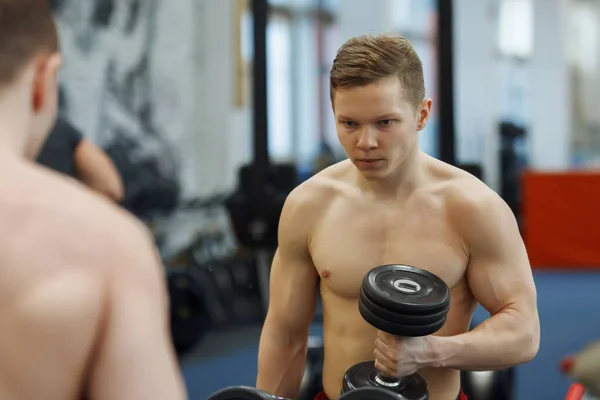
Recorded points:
(344, 246)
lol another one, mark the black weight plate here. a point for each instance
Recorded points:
(364, 375)
(382, 285)
(189, 315)
(398, 329)
(373, 393)
(242, 393)
(399, 318)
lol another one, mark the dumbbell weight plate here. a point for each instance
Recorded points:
(371, 393)
(406, 289)
(190, 318)
(399, 329)
(364, 375)
(242, 393)
(398, 318)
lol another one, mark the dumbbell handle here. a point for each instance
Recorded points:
(391, 382)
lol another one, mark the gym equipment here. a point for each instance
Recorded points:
(402, 300)
(190, 319)
(583, 368)
(243, 393)
(513, 160)
(255, 210)
(250, 393)
(576, 392)
(312, 380)
(371, 393)
(489, 385)
(256, 205)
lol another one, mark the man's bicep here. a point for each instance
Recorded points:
(293, 291)
(294, 279)
(499, 273)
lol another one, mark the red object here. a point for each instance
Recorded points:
(462, 396)
(566, 365)
(560, 219)
(576, 392)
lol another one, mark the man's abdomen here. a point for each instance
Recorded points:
(349, 340)
(341, 353)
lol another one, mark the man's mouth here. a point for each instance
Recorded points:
(369, 162)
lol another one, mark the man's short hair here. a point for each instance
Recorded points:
(27, 29)
(366, 59)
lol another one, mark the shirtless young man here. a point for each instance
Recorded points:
(389, 203)
(82, 294)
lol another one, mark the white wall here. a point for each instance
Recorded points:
(551, 114)
(194, 129)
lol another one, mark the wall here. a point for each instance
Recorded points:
(154, 79)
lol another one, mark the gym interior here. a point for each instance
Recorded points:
(214, 110)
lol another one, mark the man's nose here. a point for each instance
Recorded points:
(367, 139)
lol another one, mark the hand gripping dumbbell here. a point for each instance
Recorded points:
(405, 301)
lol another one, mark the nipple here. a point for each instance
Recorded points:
(325, 274)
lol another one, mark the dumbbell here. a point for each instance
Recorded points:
(250, 393)
(243, 393)
(405, 301)
(370, 393)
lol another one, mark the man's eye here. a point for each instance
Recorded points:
(385, 122)
(350, 124)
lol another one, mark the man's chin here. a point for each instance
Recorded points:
(373, 175)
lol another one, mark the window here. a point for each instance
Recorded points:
(515, 36)
(584, 59)
(279, 86)
(515, 45)
(416, 19)
(428, 137)
(299, 115)
(330, 45)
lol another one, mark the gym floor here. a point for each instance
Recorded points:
(569, 306)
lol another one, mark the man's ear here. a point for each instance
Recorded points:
(45, 80)
(424, 113)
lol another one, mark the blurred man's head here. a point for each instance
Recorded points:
(29, 63)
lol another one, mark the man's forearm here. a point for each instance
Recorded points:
(281, 362)
(500, 342)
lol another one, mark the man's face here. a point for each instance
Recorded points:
(377, 126)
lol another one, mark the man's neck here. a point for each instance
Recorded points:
(408, 176)
(13, 129)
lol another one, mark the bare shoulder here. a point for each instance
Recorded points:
(316, 193)
(59, 217)
(473, 207)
